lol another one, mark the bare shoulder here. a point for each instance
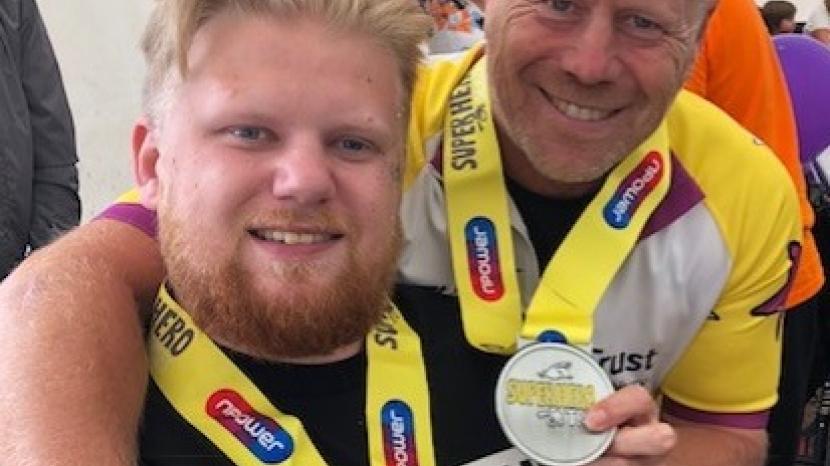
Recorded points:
(98, 255)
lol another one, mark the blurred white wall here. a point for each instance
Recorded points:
(96, 42)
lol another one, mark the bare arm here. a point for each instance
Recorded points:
(823, 35)
(717, 446)
(74, 367)
(644, 439)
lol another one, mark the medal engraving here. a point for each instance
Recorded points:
(542, 396)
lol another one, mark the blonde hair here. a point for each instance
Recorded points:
(399, 25)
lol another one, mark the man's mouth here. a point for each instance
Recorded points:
(578, 112)
(293, 237)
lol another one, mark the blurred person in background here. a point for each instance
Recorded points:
(38, 177)
(458, 24)
(818, 24)
(779, 16)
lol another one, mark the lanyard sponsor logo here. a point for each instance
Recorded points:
(260, 434)
(483, 255)
(399, 434)
(633, 190)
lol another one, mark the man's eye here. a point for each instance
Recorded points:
(561, 6)
(352, 144)
(355, 148)
(641, 22)
(248, 133)
(642, 27)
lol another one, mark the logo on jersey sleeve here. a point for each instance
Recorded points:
(398, 434)
(483, 258)
(260, 434)
(633, 190)
(777, 301)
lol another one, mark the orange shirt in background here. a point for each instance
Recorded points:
(737, 69)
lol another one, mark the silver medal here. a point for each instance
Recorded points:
(542, 396)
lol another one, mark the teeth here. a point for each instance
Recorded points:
(288, 237)
(580, 113)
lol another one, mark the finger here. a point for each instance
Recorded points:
(650, 440)
(630, 405)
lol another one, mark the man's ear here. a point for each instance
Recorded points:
(145, 162)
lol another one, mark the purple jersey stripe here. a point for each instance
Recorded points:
(437, 160)
(755, 420)
(133, 214)
(684, 193)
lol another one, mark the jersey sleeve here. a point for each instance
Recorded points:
(731, 367)
(128, 209)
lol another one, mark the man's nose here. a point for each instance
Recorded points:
(303, 174)
(591, 58)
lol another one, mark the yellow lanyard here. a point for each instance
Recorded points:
(217, 398)
(481, 239)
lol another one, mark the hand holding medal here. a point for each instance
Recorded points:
(558, 407)
(641, 438)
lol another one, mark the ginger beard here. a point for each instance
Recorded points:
(221, 297)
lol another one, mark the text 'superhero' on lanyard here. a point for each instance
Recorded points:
(545, 389)
(481, 238)
(219, 400)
